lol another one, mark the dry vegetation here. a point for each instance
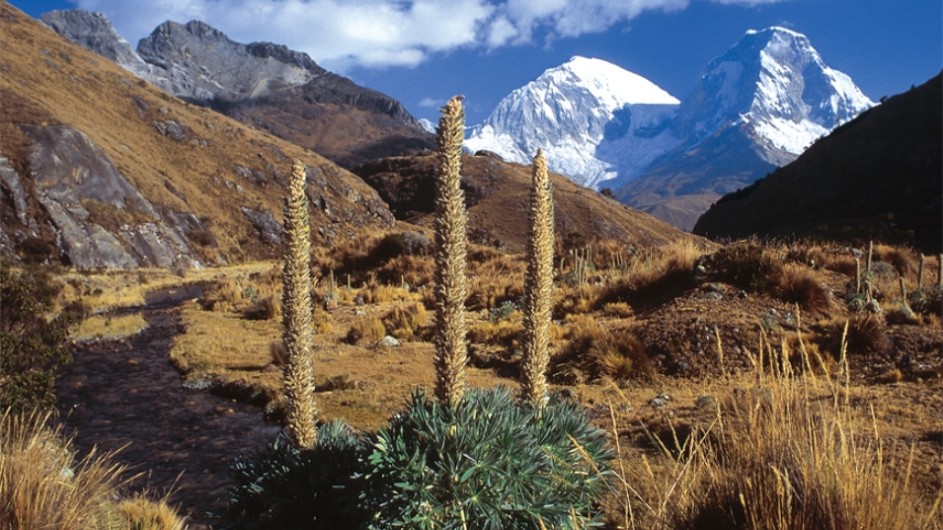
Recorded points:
(628, 323)
(42, 485)
(747, 340)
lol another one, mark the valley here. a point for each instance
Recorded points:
(778, 367)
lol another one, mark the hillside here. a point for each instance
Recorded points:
(498, 201)
(103, 169)
(875, 177)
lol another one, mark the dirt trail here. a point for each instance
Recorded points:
(125, 394)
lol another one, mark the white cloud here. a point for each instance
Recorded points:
(430, 103)
(747, 3)
(342, 34)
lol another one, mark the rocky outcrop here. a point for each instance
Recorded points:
(100, 219)
(95, 32)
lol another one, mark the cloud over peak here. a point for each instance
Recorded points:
(343, 34)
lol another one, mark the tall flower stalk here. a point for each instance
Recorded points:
(451, 349)
(538, 287)
(298, 332)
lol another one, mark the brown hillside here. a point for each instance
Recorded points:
(186, 162)
(497, 197)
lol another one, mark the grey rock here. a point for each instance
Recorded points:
(265, 224)
(197, 61)
(14, 184)
(173, 130)
(389, 341)
(705, 401)
(69, 174)
(95, 32)
(659, 401)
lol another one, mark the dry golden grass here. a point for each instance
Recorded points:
(793, 451)
(366, 331)
(115, 289)
(43, 486)
(142, 513)
(662, 273)
(407, 321)
(799, 284)
(216, 342)
(108, 327)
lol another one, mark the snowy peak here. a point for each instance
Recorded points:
(776, 83)
(568, 110)
(612, 86)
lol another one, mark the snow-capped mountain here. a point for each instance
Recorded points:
(775, 84)
(756, 107)
(572, 109)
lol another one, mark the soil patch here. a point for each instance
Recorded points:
(124, 394)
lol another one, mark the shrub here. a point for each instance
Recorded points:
(368, 329)
(406, 322)
(799, 285)
(285, 487)
(748, 265)
(488, 463)
(620, 356)
(264, 309)
(663, 275)
(866, 334)
(31, 347)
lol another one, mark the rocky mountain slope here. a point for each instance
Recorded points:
(756, 107)
(497, 194)
(262, 84)
(877, 176)
(100, 169)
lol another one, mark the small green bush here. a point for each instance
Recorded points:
(290, 488)
(31, 346)
(488, 463)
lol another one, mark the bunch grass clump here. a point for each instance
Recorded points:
(42, 485)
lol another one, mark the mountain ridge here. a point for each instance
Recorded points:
(262, 84)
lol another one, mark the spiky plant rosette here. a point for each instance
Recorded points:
(283, 486)
(489, 462)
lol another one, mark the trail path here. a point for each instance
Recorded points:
(125, 394)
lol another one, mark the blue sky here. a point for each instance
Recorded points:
(423, 51)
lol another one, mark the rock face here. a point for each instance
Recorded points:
(262, 84)
(877, 176)
(101, 220)
(98, 169)
(95, 32)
